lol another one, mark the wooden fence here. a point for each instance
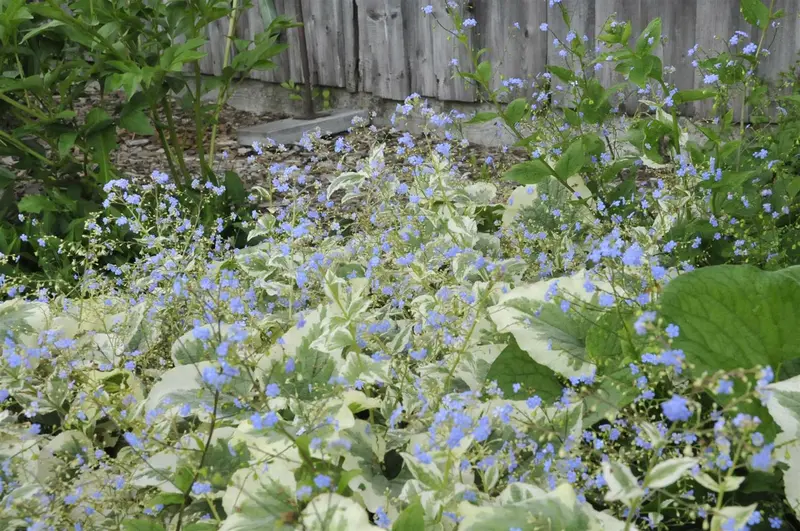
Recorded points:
(391, 48)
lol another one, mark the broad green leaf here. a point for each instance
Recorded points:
(484, 72)
(65, 143)
(482, 117)
(734, 316)
(514, 365)
(755, 12)
(531, 172)
(36, 204)
(650, 37)
(411, 519)
(515, 110)
(571, 161)
(234, 189)
(688, 95)
(137, 122)
(668, 472)
(622, 484)
(565, 74)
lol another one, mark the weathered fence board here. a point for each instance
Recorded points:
(391, 48)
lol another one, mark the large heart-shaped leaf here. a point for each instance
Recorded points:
(735, 316)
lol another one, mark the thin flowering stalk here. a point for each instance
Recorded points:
(746, 85)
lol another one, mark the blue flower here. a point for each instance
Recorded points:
(676, 409)
(673, 330)
(198, 489)
(763, 459)
(381, 518)
(322, 481)
(633, 255)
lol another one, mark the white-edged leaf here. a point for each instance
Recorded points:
(740, 515)
(668, 472)
(622, 484)
(332, 512)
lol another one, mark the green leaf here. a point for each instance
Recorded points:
(565, 74)
(734, 316)
(514, 365)
(651, 33)
(685, 96)
(484, 72)
(36, 204)
(411, 519)
(515, 110)
(755, 13)
(571, 161)
(234, 188)
(531, 172)
(136, 122)
(65, 143)
(142, 525)
(482, 117)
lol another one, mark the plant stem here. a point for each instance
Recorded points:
(186, 497)
(199, 125)
(223, 89)
(744, 96)
(173, 133)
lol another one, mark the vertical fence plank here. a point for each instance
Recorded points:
(418, 32)
(384, 46)
(517, 47)
(630, 12)
(351, 44)
(249, 25)
(326, 42)
(582, 22)
(714, 27)
(446, 47)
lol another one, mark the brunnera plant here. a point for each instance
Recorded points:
(375, 360)
(403, 348)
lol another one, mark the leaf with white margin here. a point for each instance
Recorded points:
(188, 349)
(730, 484)
(519, 492)
(784, 407)
(476, 363)
(267, 444)
(260, 498)
(332, 512)
(426, 473)
(740, 515)
(521, 197)
(784, 404)
(65, 446)
(184, 385)
(558, 509)
(668, 472)
(23, 320)
(622, 484)
(481, 193)
(551, 337)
